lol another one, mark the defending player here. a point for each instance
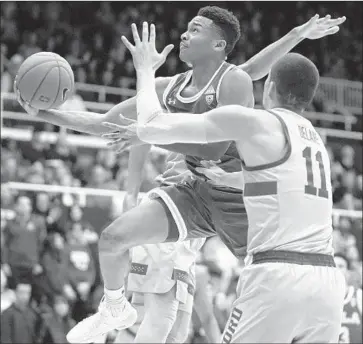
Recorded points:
(288, 197)
(205, 48)
(351, 329)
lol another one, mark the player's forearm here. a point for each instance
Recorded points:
(260, 64)
(86, 122)
(211, 328)
(212, 151)
(137, 160)
(90, 122)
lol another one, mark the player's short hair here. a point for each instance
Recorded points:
(296, 79)
(344, 257)
(226, 22)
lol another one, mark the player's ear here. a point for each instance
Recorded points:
(271, 90)
(220, 45)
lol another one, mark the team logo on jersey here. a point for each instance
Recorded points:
(171, 101)
(210, 94)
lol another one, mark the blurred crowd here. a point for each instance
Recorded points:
(88, 35)
(49, 262)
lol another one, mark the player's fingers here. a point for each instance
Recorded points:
(167, 50)
(114, 126)
(152, 34)
(324, 19)
(145, 32)
(125, 120)
(114, 142)
(332, 30)
(315, 18)
(135, 34)
(113, 135)
(337, 21)
(122, 147)
(127, 43)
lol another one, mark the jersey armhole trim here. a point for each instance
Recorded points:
(280, 161)
(229, 68)
(168, 89)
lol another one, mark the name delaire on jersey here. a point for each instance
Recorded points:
(308, 134)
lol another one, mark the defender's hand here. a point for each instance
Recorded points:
(123, 136)
(317, 28)
(29, 109)
(144, 53)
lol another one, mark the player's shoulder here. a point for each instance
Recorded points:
(235, 77)
(236, 88)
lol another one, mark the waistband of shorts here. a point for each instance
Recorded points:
(291, 257)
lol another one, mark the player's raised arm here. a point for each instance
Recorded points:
(260, 64)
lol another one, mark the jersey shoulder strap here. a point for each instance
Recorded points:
(222, 73)
(176, 79)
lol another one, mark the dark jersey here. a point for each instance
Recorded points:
(203, 101)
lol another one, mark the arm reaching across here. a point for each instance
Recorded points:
(221, 177)
(260, 64)
(91, 122)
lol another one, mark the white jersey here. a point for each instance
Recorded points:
(289, 203)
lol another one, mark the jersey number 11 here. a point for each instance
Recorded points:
(310, 188)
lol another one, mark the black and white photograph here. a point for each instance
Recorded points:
(181, 172)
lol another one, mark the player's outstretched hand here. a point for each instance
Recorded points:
(123, 136)
(144, 53)
(317, 27)
(29, 109)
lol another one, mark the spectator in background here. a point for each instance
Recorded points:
(58, 322)
(7, 295)
(82, 270)
(351, 331)
(7, 198)
(344, 241)
(41, 204)
(19, 322)
(24, 238)
(30, 44)
(55, 262)
(9, 170)
(61, 150)
(8, 76)
(36, 150)
(347, 158)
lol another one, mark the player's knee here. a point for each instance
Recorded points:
(117, 238)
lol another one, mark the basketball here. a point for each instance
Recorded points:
(45, 80)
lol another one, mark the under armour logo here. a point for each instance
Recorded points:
(171, 101)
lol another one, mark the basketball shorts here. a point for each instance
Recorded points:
(199, 209)
(300, 301)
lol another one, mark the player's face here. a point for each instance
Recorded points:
(199, 41)
(341, 265)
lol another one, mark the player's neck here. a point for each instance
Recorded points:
(203, 72)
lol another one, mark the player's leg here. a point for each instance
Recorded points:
(264, 312)
(179, 332)
(149, 223)
(324, 311)
(159, 318)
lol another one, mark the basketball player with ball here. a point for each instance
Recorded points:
(211, 35)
